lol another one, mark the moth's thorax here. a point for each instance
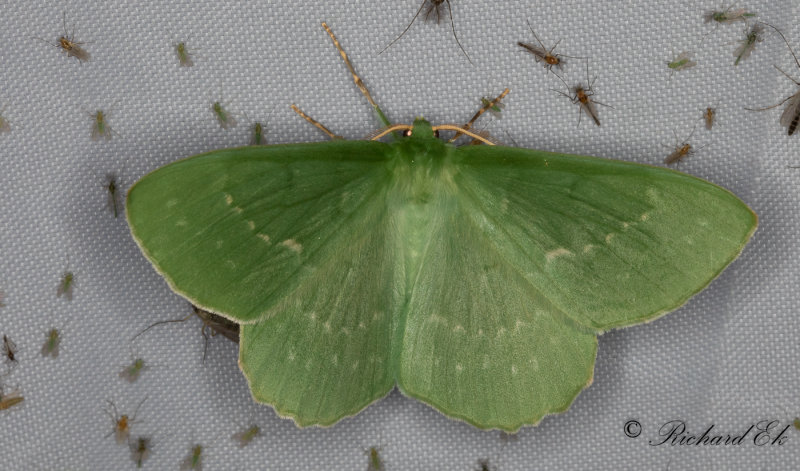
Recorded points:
(421, 166)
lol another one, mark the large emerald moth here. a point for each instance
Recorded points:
(475, 278)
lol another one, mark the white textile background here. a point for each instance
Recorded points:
(727, 358)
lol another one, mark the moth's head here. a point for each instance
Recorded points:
(421, 130)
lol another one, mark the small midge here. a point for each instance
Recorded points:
(327, 325)
(308, 364)
(518, 324)
(609, 237)
(514, 369)
(251, 225)
(534, 363)
(292, 245)
(172, 202)
(290, 356)
(625, 225)
(361, 325)
(219, 244)
(458, 328)
(459, 367)
(345, 331)
(588, 248)
(354, 366)
(500, 332)
(263, 237)
(238, 210)
(335, 359)
(312, 315)
(230, 263)
(228, 199)
(181, 222)
(644, 216)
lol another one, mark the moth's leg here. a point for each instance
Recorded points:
(359, 83)
(316, 123)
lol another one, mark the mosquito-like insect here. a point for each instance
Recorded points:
(69, 45)
(122, 422)
(791, 114)
(582, 96)
(682, 149)
(542, 54)
(434, 10)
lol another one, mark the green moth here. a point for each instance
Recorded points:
(475, 278)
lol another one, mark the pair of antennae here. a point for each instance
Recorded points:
(435, 6)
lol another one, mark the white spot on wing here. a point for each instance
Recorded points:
(518, 325)
(292, 245)
(554, 254)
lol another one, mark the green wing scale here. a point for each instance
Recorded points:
(476, 279)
